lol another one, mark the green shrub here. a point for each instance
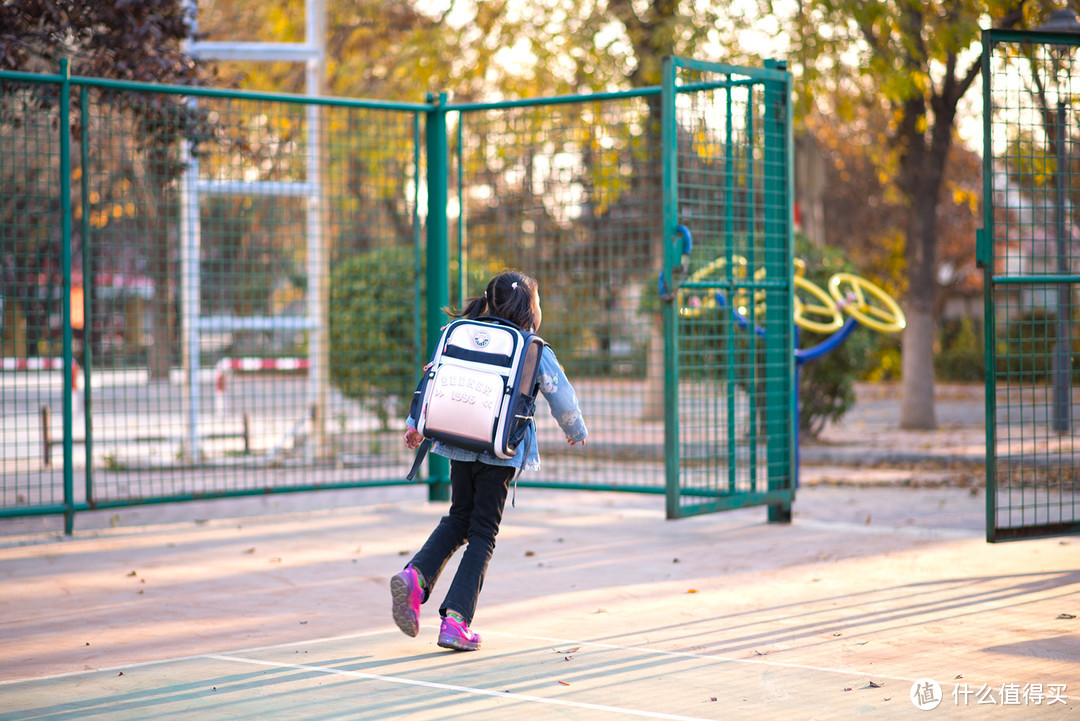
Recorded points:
(376, 324)
(827, 384)
(373, 330)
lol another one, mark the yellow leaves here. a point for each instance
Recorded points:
(99, 219)
(707, 148)
(920, 79)
(962, 196)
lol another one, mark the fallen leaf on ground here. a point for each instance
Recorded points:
(874, 684)
(1066, 615)
(564, 683)
(572, 649)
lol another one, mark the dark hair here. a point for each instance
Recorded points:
(509, 296)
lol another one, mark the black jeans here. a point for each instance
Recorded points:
(477, 497)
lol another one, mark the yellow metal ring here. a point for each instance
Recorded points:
(825, 308)
(855, 294)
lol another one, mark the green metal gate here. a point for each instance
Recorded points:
(1029, 250)
(598, 196)
(255, 296)
(728, 313)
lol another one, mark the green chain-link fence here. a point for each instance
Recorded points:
(1030, 252)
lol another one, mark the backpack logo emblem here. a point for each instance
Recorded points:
(481, 339)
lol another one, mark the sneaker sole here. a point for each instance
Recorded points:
(457, 644)
(404, 617)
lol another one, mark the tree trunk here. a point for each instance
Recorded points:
(160, 358)
(917, 368)
(653, 401)
(917, 363)
(653, 199)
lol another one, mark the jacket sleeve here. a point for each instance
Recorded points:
(561, 397)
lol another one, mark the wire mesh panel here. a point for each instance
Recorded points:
(1031, 258)
(569, 193)
(252, 293)
(732, 310)
(32, 377)
(241, 281)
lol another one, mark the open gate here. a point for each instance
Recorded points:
(1029, 250)
(730, 397)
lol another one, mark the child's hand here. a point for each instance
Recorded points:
(412, 438)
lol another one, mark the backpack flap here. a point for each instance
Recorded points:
(463, 406)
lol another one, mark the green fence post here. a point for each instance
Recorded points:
(438, 262)
(670, 190)
(88, 289)
(985, 258)
(781, 392)
(65, 297)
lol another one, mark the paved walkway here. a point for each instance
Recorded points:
(595, 607)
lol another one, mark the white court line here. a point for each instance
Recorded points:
(196, 657)
(509, 695)
(545, 639)
(702, 656)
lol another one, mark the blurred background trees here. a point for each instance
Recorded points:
(886, 93)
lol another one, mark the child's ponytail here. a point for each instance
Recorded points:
(509, 296)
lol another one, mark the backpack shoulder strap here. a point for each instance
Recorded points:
(421, 451)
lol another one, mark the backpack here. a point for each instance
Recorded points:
(479, 391)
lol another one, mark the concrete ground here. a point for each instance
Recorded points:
(880, 598)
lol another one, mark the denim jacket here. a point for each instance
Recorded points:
(561, 399)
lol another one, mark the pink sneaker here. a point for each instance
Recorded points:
(455, 634)
(407, 594)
